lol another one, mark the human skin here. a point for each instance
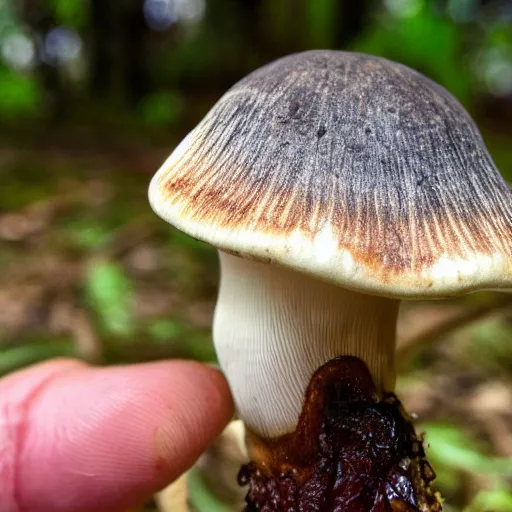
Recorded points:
(73, 437)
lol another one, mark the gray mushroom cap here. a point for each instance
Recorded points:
(350, 168)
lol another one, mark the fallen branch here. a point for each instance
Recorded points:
(408, 344)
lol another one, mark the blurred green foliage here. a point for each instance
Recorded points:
(73, 13)
(110, 294)
(162, 63)
(413, 34)
(19, 94)
(451, 452)
(201, 498)
(95, 94)
(498, 500)
(33, 351)
(450, 448)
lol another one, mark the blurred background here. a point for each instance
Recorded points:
(95, 94)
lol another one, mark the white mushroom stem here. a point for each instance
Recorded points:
(274, 328)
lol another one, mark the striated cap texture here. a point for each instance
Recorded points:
(348, 167)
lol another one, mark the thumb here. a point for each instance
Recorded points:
(79, 438)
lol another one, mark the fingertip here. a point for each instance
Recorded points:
(202, 407)
(103, 438)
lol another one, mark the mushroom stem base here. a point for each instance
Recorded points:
(352, 451)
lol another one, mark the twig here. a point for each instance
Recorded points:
(408, 345)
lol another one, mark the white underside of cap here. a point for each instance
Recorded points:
(322, 257)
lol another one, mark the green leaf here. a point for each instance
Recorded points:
(164, 330)
(201, 497)
(71, 12)
(424, 40)
(88, 233)
(12, 359)
(19, 94)
(450, 447)
(201, 348)
(320, 22)
(498, 500)
(110, 294)
(161, 108)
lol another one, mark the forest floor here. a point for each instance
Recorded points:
(87, 270)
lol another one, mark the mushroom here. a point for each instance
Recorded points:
(334, 185)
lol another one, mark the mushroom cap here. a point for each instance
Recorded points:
(350, 168)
